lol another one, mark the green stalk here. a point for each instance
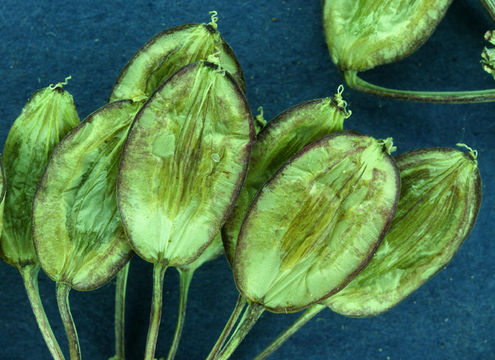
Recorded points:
(185, 276)
(446, 97)
(303, 319)
(70, 329)
(120, 292)
(156, 311)
(249, 318)
(239, 306)
(29, 274)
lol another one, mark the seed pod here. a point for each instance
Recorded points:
(282, 138)
(46, 118)
(169, 51)
(183, 164)
(77, 231)
(366, 33)
(363, 34)
(440, 200)
(317, 222)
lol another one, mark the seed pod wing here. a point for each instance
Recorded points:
(212, 251)
(440, 199)
(183, 164)
(77, 231)
(47, 117)
(317, 222)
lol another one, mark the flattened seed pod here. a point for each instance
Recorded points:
(183, 164)
(440, 200)
(77, 231)
(366, 33)
(282, 138)
(47, 117)
(166, 53)
(317, 222)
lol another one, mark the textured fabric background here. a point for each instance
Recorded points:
(285, 61)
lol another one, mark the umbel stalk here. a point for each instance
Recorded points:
(185, 277)
(239, 306)
(156, 311)
(446, 97)
(120, 294)
(249, 318)
(29, 274)
(70, 328)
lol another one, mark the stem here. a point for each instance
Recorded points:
(303, 319)
(447, 97)
(29, 274)
(239, 306)
(120, 292)
(156, 311)
(489, 6)
(185, 281)
(249, 318)
(70, 329)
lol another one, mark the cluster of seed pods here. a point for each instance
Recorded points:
(176, 169)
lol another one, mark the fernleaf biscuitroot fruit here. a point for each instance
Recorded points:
(439, 204)
(181, 171)
(47, 117)
(367, 33)
(317, 222)
(183, 164)
(77, 231)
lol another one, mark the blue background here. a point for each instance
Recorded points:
(285, 61)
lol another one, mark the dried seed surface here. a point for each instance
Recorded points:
(183, 164)
(365, 33)
(440, 199)
(166, 53)
(282, 138)
(47, 117)
(78, 234)
(317, 222)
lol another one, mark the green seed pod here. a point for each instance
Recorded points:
(362, 34)
(366, 33)
(46, 118)
(278, 141)
(440, 200)
(317, 222)
(183, 164)
(169, 51)
(77, 230)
